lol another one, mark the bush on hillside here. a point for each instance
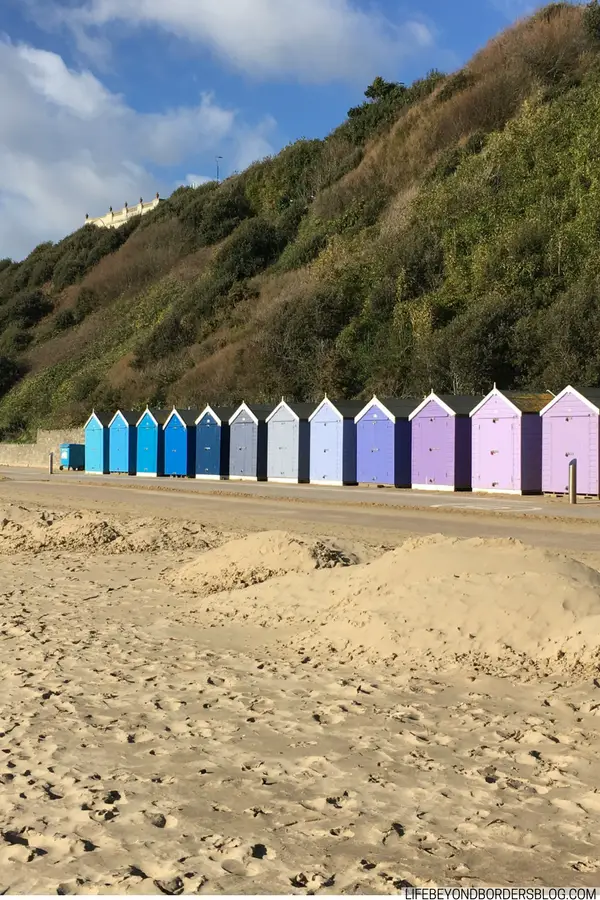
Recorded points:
(10, 373)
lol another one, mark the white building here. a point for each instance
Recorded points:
(113, 219)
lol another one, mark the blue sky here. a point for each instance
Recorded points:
(102, 101)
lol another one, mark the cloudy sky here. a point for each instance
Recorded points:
(103, 101)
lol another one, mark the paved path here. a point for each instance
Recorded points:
(588, 510)
(351, 512)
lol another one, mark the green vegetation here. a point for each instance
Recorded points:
(447, 234)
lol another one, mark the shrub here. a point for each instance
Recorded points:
(64, 320)
(10, 372)
(28, 308)
(254, 245)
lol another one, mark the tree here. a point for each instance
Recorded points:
(380, 89)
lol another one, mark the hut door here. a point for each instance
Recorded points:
(175, 448)
(382, 451)
(326, 450)
(434, 447)
(283, 449)
(496, 463)
(244, 450)
(572, 437)
(119, 447)
(147, 446)
(94, 448)
(208, 456)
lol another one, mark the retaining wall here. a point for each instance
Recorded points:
(35, 456)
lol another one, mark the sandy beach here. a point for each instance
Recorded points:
(199, 707)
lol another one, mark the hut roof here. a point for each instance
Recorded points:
(528, 403)
(103, 417)
(223, 413)
(461, 404)
(260, 411)
(400, 407)
(131, 416)
(187, 416)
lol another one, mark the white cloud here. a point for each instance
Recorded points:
(314, 40)
(69, 146)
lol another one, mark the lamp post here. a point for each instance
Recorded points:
(217, 158)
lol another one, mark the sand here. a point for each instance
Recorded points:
(192, 710)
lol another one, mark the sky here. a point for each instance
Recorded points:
(107, 101)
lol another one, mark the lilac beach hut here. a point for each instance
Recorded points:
(333, 442)
(571, 430)
(507, 442)
(441, 443)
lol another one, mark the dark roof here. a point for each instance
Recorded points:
(103, 417)
(131, 416)
(223, 413)
(461, 404)
(528, 403)
(260, 410)
(591, 394)
(302, 410)
(348, 408)
(188, 416)
(400, 407)
(161, 415)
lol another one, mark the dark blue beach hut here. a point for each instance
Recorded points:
(151, 442)
(122, 442)
(212, 442)
(96, 443)
(180, 442)
(248, 437)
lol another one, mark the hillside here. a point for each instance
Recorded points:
(446, 235)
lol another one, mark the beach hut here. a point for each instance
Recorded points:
(180, 442)
(212, 442)
(288, 442)
(96, 443)
(441, 443)
(333, 442)
(383, 442)
(122, 442)
(570, 430)
(506, 442)
(248, 442)
(151, 443)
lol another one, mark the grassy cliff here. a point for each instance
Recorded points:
(446, 235)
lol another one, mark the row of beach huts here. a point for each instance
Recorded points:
(505, 442)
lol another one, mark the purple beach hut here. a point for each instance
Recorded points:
(383, 442)
(571, 430)
(506, 436)
(441, 443)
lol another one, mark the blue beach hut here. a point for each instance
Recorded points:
(96, 443)
(212, 442)
(180, 442)
(122, 442)
(151, 442)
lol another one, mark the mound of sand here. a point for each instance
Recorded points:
(257, 558)
(30, 530)
(438, 599)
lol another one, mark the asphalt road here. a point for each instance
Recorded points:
(534, 506)
(362, 512)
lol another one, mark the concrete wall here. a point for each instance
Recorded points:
(36, 455)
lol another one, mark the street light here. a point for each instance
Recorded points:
(217, 158)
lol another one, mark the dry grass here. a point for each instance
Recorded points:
(147, 255)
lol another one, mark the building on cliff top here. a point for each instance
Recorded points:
(114, 219)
